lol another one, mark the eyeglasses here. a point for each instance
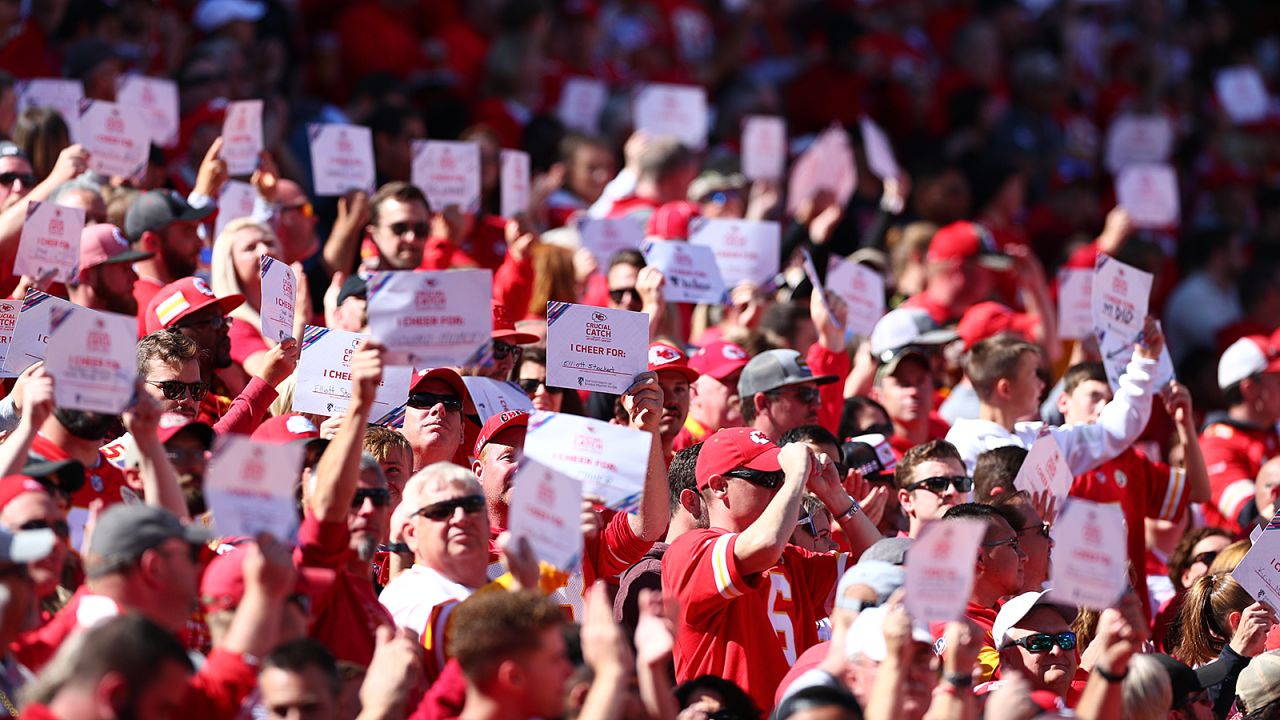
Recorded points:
(1043, 528)
(404, 228)
(938, 484)
(176, 389)
(1044, 642)
(1205, 557)
(531, 385)
(305, 208)
(380, 497)
(426, 401)
(443, 510)
(186, 456)
(502, 350)
(213, 322)
(806, 395)
(59, 527)
(769, 480)
(9, 178)
(619, 295)
(1011, 542)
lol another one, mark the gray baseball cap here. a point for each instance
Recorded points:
(775, 369)
(125, 531)
(880, 576)
(154, 210)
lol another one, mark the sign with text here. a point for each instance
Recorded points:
(279, 294)
(495, 396)
(546, 510)
(157, 98)
(515, 183)
(1259, 570)
(96, 363)
(678, 111)
(324, 375)
(879, 150)
(604, 237)
(61, 94)
(432, 319)
(242, 136)
(828, 165)
(611, 461)
(690, 271)
(50, 241)
(1242, 93)
(1090, 554)
(1045, 469)
(594, 348)
(448, 172)
(9, 310)
(581, 101)
(117, 138)
(1120, 296)
(745, 250)
(1138, 139)
(250, 487)
(1149, 191)
(31, 333)
(764, 147)
(940, 569)
(862, 289)
(235, 201)
(1075, 303)
(341, 158)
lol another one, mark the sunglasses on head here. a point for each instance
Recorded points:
(938, 484)
(531, 385)
(176, 389)
(402, 228)
(1044, 642)
(1205, 557)
(807, 395)
(443, 510)
(769, 480)
(380, 497)
(426, 401)
(621, 294)
(502, 350)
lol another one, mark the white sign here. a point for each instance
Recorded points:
(432, 319)
(279, 293)
(546, 510)
(234, 202)
(9, 310)
(448, 172)
(1075, 303)
(242, 136)
(604, 237)
(1242, 93)
(341, 158)
(878, 149)
(862, 289)
(1120, 296)
(31, 334)
(690, 271)
(826, 165)
(611, 461)
(50, 241)
(1090, 554)
(324, 375)
(96, 363)
(1259, 570)
(60, 94)
(117, 138)
(1150, 193)
(1045, 469)
(764, 147)
(515, 183)
(1138, 139)
(157, 98)
(745, 250)
(581, 101)
(492, 397)
(678, 111)
(250, 487)
(940, 569)
(593, 348)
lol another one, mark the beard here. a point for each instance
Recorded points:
(366, 547)
(193, 494)
(179, 266)
(89, 425)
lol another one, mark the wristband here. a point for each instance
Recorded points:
(854, 509)
(959, 681)
(397, 548)
(1112, 679)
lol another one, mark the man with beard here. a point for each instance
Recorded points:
(187, 443)
(779, 392)
(713, 397)
(675, 376)
(161, 222)
(106, 274)
(25, 504)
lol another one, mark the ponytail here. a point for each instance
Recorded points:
(1203, 617)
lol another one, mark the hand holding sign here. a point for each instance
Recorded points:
(592, 348)
(50, 241)
(941, 567)
(250, 487)
(1045, 470)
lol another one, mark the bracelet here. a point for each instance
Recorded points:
(1110, 678)
(395, 548)
(854, 509)
(959, 681)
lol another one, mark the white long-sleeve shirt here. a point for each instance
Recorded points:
(1085, 445)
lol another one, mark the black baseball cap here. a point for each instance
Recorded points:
(154, 210)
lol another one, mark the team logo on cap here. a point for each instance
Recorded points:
(758, 438)
(663, 354)
(733, 352)
(201, 286)
(299, 425)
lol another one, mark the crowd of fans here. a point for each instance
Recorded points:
(793, 463)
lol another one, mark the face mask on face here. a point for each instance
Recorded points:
(89, 425)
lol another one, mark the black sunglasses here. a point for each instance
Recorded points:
(769, 480)
(443, 510)
(176, 389)
(1205, 557)
(426, 401)
(621, 294)
(501, 350)
(403, 228)
(807, 395)
(938, 485)
(213, 322)
(1044, 642)
(1043, 528)
(531, 385)
(381, 497)
(59, 527)
(9, 178)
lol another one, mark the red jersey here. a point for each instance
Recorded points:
(940, 313)
(985, 618)
(1145, 488)
(104, 480)
(1233, 454)
(724, 612)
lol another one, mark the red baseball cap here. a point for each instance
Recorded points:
(719, 359)
(962, 240)
(283, 429)
(182, 297)
(671, 221)
(172, 423)
(665, 357)
(735, 448)
(449, 376)
(11, 486)
(988, 319)
(102, 243)
(505, 330)
(496, 424)
(222, 585)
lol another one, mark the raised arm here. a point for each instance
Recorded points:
(826, 484)
(72, 161)
(160, 486)
(37, 402)
(339, 466)
(1178, 404)
(643, 403)
(759, 546)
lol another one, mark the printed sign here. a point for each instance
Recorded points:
(1150, 193)
(593, 348)
(60, 94)
(940, 569)
(234, 202)
(50, 241)
(495, 396)
(604, 237)
(581, 101)
(448, 172)
(826, 165)
(117, 138)
(341, 158)
(324, 375)
(764, 147)
(31, 333)
(678, 111)
(690, 271)
(249, 486)
(157, 98)
(611, 461)
(1120, 296)
(432, 319)
(1089, 555)
(878, 149)
(1259, 570)
(1045, 469)
(242, 136)
(279, 293)
(1075, 303)
(515, 183)
(862, 289)
(546, 509)
(1138, 139)
(96, 363)
(9, 310)
(1242, 93)
(745, 250)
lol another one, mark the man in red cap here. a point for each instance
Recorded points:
(958, 271)
(224, 583)
(106, 274)
(188, 443)
(741, 575)
(25, 504)
(714, 403)
(433, 416)
(506, 345)
(671, 365)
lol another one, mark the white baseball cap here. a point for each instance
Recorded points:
(1017, 608)
(1247, 357)
(907, 326)
(866, 635)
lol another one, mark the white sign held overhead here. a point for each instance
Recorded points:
(764, 147)
(678, 111)
(279, 288)
(1150, 193)
(545, 511)
(1075, 303)
(50, 241)
(61, 94)
(432, 319)
(234, 202)
(515, 183)
(448, 173)
(324, 375)
(879, 150)
(1138, 139)
(158, 100)
(940, 569)
(1120, 296)
(250, 486)
(1089, 555)
(611, 461)
(117, 138)
(827, 165)
(1045, 469)
(690, 271)
(341, 158)
(862, 289)
(30, 340)
(745, 250)
(1243, 94)
(581, 101)
(492, 397)
(604, 237)
(96, 363)
(242, 136)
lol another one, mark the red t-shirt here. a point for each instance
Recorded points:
(144, 289)
(724, 613)
(245, 341)
(1233, 454)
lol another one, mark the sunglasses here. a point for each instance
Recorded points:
(502, 350)
(806, 395)
(938, 485)
(1043, 528)
(426, 401)
(9, 178)
(1205, 557)
(1044, 642)
(380, 497)
(403, 228)
(769, 480)
(59, 527)
(531, 385)
(302, 600)
(176, 389)
(186, 456)
(619, 295)
(214, 322)
(305, 208)
(443, 510)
